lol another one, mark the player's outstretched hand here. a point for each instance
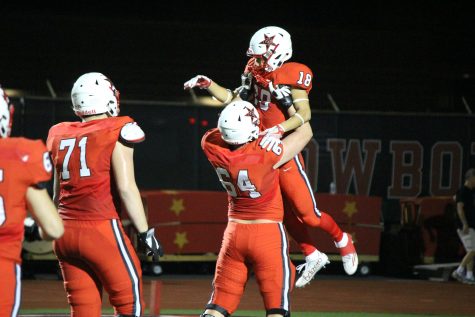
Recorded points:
(32, 231)
(276, 131)
(282, 94)
(269, 141)
(199, 81)
(151, 243)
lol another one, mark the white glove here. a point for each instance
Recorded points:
(199, 81)
(282, 94)
(276, 131)
(270, 143)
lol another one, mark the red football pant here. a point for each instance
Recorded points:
(301, 207)
(262, 247)
(10, 287)
(97, 254)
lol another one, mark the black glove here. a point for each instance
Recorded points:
(282, 94)
(152, 245)
(245, 89)
(32, 231)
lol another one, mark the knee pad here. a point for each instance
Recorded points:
(280, 311)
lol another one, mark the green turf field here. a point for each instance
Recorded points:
(249, 313)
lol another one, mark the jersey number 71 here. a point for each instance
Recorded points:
(68, 145)
(243, 182)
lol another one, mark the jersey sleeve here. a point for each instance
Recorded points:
(295, 75)
(38, 163)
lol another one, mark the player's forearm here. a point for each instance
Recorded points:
(300, 113)
(222, 94)
(40, 204)
(134, 207)
(295, 142)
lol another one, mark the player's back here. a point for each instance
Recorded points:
(23, 163)
(295, 75)
(82, 153)
(248, 176)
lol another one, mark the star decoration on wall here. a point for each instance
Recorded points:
(181, 239)
(178, 205)
(350, 208)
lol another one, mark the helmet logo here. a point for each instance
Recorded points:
(268, 41)
(252, 114)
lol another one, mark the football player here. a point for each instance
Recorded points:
(254, 237)
(279, 90)
(25, 168)
(94, 167)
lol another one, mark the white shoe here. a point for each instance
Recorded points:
(313, 263)
(470, 281)
(348, 254)
(457, 276)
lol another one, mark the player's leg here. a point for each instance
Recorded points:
(10, 287)
(297, 191)
(298, 230)
(231, 274)
(83, 288)
(274, 271)
(109, 252)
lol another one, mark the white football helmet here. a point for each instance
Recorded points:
(6, 115)
(239, 123)
(273, 44)
(94, 93)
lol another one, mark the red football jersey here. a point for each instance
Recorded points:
(81, 153)
(23, 163)
(248, 176)
(295, 75)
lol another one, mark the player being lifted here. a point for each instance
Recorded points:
(25, 168)
(94, 166)
(279, 90)
(254, 237)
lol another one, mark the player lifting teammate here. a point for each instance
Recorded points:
(254, 237)
(93, 162)
(279, 90)
(25, 168)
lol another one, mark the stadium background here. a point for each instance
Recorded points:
(397, 73)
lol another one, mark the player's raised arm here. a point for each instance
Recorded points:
(294, 143)
(222, 94)
(43, 209)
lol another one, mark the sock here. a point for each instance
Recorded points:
(460, 270)
(469, 274)
(329, 225)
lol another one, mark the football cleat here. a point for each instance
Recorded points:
(348, 254)
(313, 264)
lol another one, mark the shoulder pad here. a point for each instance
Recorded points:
(132, 133)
